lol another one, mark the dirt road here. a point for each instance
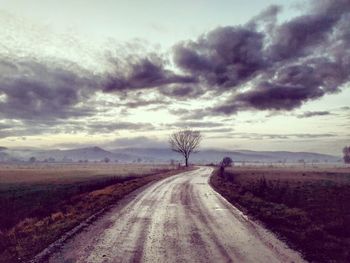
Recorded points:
(178, 219)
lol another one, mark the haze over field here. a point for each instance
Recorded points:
(262, 75)
(159, 155)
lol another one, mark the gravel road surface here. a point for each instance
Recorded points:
(177, 219)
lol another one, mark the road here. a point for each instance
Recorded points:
(177, 219)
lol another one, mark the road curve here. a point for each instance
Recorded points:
(178, 219)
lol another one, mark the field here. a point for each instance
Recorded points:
(66, 173)
(309, 207)
(39, 202)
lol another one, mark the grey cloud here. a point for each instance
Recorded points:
(218, 130)
(182, 91)
(108, 127)
(292, 86)
(261, 136)
(262, 65)
(179, 111)
(196, 124)
(311, 136)
(28, 130)
(223, 58)
(142, 73)
(293, 39)
(137, 101)
(309, 114)
(33, 127)
(33, 90)
(285, 65)
(138, 142)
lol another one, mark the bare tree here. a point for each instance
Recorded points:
(346, 152)
(185, 142)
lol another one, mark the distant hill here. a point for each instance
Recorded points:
(72, 155)
(160, 155)
(210, 155)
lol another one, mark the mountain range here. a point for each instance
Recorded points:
(157, 155)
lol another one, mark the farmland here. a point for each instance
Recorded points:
(308, 207)
(39, 202)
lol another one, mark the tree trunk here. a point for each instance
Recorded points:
(186, 159)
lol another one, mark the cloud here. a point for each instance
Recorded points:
(223, 58)
(217, 130)
(274, 67)
(49, 89)
(261, 65)
(138, 101)
(195, 124)
(266, 20)
(295, 38)
(287, 136)
(108, 127)
(37, 90)
(138, 142)
(141, 72)
(183, 92)
(309, 114)
(63, 126)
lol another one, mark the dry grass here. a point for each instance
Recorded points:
(42, 202)
(308, 207)
(67, 173)
(292, 174)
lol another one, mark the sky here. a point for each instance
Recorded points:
(256, 75)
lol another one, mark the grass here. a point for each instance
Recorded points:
(40, 203)
(307, 207)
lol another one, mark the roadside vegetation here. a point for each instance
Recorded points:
(39, 203)
(307, 207)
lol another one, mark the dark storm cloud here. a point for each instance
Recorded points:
(142, 73)
(309, 114)
(302, 35)
(262, 65)
(223, 58)
(293, 39)
(33, 90)
(292, 86)
(278, 67)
